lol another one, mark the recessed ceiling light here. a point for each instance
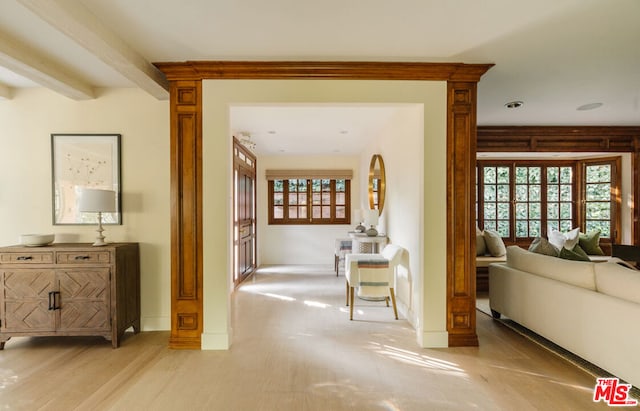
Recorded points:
(590, 106)
(514, 104)
(344, 131)
(271, 132)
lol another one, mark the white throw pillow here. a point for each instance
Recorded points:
(567, 240)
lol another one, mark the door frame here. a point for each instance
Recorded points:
(185, 80)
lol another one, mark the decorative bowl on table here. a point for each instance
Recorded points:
(36, 240)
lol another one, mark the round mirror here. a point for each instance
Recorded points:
(377, 183)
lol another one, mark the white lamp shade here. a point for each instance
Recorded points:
(371, 217)
(93, 201)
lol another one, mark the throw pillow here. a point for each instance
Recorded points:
(590, 242)
(541, 245)
(576, 254)
(481, 246)
(494, 242)
(567, 240)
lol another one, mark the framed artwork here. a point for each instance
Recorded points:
(84, 161)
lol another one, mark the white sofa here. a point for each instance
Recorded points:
(591, 309)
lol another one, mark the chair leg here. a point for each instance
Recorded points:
(393, 300)
(386, 300)
(351, 293)
(347, 283)
(336, 262)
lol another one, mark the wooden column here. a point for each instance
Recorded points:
(186, 214)
(461, 158)
(635, 180)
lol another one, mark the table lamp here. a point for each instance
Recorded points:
(97, 201)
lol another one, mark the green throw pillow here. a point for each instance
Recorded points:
(576, 254)
(590, 242)
(541, 245)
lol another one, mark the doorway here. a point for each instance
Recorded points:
(244, 212)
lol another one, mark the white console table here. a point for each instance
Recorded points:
(366, 244)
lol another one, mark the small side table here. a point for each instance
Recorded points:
(366, 244)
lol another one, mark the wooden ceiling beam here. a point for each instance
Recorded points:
(83, 27)
(27, 62)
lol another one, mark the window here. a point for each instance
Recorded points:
(309, 201)
(522, 200)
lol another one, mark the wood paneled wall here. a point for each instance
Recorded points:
(186, 175)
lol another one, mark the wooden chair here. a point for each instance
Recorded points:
(374, 275)
(343, 246)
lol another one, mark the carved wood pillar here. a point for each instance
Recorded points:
(635, 180)
(461, 159)
(186, 214)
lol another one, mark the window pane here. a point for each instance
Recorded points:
(553, 193)
(503, 175)
(565, 211)
(554, 225)
(340, 185)
(490, 211)
(553, 211)
(490, 193)
(316, 211)
(553, 175)
(326, 185)
(534, 192)
(535, 211)
(521, 211)
(293, 199)
(302, 212)
(503, 228)
(598, 211)
(521, 175)
(565, 193)
(604, 226)
(598, 192)
(521, 229)
(565, 174)
(340, 198)
(278, 186)
(326, 212)
(598, 173)
(293, 212)
(278, 198)
(534, 175)
(534, 228)
(521, 193)
(503, 211)
(490, 225)
(278, 212)
(489, 175)
(565, 225)
(326, 198)
(315, 198)
(503, 192)
(341, 212)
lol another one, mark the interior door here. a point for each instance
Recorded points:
(244, 213)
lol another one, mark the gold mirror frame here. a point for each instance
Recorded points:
(379, 174)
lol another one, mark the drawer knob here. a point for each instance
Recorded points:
(25, 258)
(82, 257)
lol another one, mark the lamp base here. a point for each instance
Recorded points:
(372, 232)
(100, 238)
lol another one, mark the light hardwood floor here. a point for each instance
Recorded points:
(294, 348)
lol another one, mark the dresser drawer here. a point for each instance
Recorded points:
(83, 257)
(36, 257)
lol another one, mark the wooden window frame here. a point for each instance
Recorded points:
(309, 219)
(578, 194)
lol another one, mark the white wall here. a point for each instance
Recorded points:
(301, 244)
(429, 286)
(27, 122)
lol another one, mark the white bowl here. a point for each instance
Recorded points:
(36, 240)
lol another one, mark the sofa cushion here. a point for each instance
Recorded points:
(618, 279)
(590, 242)
(577, 273)
(494, 242)
(541, 245)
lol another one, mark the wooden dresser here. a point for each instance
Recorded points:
(69, 289)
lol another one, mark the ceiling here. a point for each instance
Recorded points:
(553, 55)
